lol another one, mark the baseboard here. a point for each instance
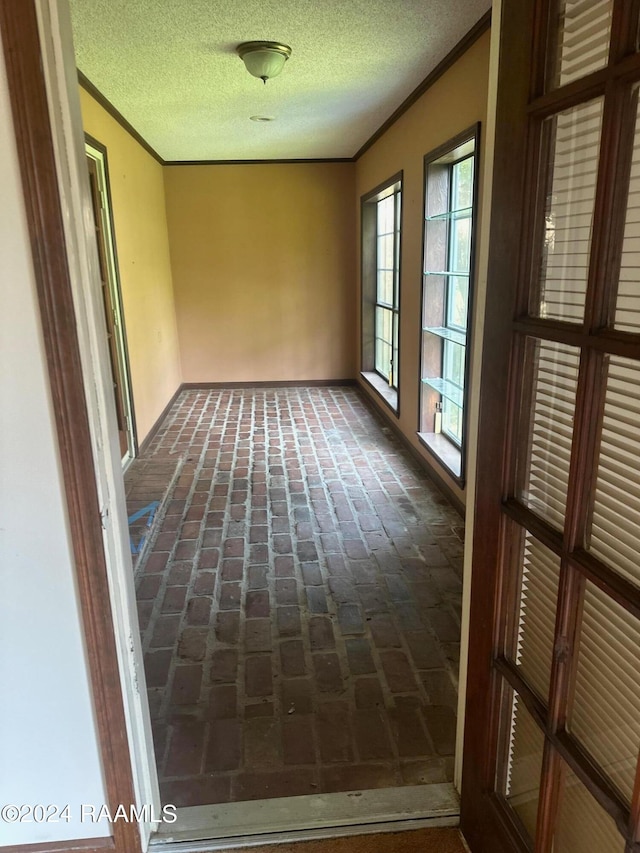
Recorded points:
(142, 448)
(82, 845)
(385, 414)
(272, 383)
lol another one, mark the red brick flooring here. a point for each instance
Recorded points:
(300, 603)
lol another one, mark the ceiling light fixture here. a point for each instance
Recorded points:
(261, 118)
(264, 59)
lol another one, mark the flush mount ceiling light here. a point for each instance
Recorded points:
(262, 118)
(264, 59)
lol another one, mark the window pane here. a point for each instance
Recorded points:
(385, 215)
(384, 341)
(546, 427)
(582, 33)
(384, 317)
(573, 139)
(460, 244)
(605, 714)
(386, 252)
(453, 368)
(458, 301)
(385, 287)
(452, 420)
(538, 594)
(627, 313)
(524, 766)
(383, 358)
(463, 184)
(583, 826)
(615, 524)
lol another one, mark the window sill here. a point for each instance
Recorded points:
(382, 388)
(446, 452)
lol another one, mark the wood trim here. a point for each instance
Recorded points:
(30, 108)
(387, 415)
(83, 845)
(477, 30)
(106, 104)
(382, 187)
(480, 820)
(292, 161)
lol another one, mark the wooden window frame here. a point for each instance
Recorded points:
(389, 394)
(522, 106)
(446, 451)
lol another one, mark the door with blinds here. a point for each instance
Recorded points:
(552, 736)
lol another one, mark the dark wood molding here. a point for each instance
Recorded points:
(83, 845)
(290, 162)
(441, 68)
(145, 443)
(30, 108)
(379, 191)
(478, 29)
(385, 414)
(481, 821)
(106, 104)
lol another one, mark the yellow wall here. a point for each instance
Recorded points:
(451, 105)
(137, 193)
(263, 260)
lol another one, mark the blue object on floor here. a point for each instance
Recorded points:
(149, 510)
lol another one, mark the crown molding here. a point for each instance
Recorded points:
(477, 30)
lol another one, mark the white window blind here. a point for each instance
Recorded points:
(583, 41)
(605, 715)
(524, 766)
(627, 316)
(551, 428)
(583, 826)
(575, 142)
(615, 528)
(536, 623)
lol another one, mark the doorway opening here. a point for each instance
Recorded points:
(299, 609)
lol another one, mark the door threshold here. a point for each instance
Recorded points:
(312, 816)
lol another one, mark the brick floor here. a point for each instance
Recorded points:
(299, 602)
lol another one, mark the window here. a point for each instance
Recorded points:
(381, 228)
(449, 214)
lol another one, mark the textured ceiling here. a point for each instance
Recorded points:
(170, 68)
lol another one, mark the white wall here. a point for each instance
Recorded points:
(48, 740)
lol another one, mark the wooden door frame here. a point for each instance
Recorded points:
(97, 152)
(477, 812)
(52, 214)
